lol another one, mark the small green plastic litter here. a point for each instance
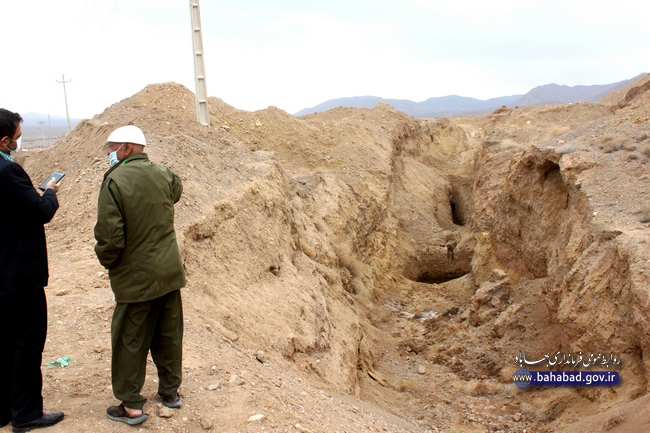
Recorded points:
(63, 362)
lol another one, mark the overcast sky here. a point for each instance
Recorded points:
(295, 54)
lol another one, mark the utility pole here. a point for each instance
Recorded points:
(199, 65)
(42, 135)
(49, 122)
(66, 99)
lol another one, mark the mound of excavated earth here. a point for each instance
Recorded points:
(359, 270)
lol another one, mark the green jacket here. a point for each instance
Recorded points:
(135, 234)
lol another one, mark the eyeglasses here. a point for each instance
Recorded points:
(107, 146)
(12, 139)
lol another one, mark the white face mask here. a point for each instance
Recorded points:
(9, 142)
(19, 144)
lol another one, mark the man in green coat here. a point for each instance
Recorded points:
(136, 242)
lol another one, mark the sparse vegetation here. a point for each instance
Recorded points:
(567, 148)
(491, 143)
(531, 411)
(554, 409)
(510, 145)
(348, 261)
(480, 388)
(484, 388)
(556, 131)
(630, 147)
(610, 144)
(612, 422)
(307, 249)
(320, 225)
(406, 385)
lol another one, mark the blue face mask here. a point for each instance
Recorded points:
(112, 157)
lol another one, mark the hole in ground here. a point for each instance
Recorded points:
(437, 278)
(456, 218)
(439, 263)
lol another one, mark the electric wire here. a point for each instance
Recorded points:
(109, 15)
(83, 13)
(92, 10)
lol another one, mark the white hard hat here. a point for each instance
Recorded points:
(127, 134)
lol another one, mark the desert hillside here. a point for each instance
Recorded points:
(361, 270)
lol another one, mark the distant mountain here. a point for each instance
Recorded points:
(442, 106)
(35, 133)
(556, 94)
(453, 105)
(360, 102)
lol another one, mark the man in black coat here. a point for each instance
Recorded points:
(23, 276)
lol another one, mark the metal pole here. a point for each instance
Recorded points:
(49, 122)
(199, 65)
(66, 99)
(42, 134)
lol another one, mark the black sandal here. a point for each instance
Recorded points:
(172, 404)
(118, 413)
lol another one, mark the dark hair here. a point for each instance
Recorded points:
(9, 122)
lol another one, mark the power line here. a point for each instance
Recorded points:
(92, 10)
(109, 15)
(83, 13)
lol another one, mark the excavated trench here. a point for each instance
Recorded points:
(527, 270)
(478, 254)
(325, 271)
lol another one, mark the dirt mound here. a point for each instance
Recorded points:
(619, 96)
(360, 253)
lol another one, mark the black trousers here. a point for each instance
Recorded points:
(23, 328)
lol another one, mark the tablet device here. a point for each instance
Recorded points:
(57, 175)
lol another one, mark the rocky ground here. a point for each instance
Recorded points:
(321, 293)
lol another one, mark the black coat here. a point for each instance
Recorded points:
(23, 212)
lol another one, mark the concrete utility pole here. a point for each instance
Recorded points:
(66, 99)
(42, 134)
(199, 65)
(49, 122)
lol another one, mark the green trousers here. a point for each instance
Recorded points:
(155, 325)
